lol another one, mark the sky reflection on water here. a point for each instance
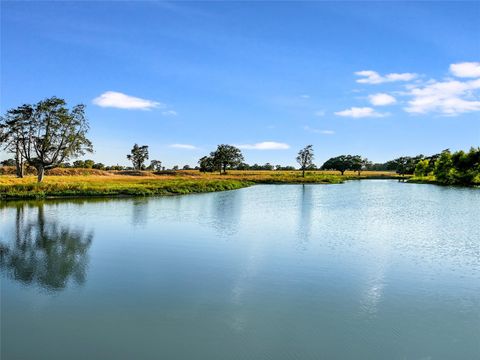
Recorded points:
(370, 269)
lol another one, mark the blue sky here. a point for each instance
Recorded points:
(380, 79)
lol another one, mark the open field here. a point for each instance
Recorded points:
(113, 185)
(102, 183)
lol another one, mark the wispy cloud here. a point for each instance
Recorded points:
(360, 112)
(382, 99)
(183, 146)
(305, 96)
(373, 77)
(450, 97)
(319, 113)
(120, 100)
(447, 97)
(318, 131)
(169, 113)
(266, 145)
(466, 69)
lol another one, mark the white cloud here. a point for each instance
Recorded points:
(183, 146)
(450, 97)
(327, 132)
(373, 77)
(360, 112)
(466, 69)
(169, 113)
(122, 101)
(382, 99)
(266, 145)
(319, 113)
(318, 131)
(305, 96)
(400, 77)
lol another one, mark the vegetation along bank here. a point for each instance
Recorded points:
(43, 138)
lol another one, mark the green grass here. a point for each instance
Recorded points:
(183, 182)
(108, 187)
(432, 180)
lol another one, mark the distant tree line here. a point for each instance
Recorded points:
(266, 166)
(48, 134)
(459, 167)
(229, 157)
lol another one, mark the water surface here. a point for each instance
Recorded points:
(363, 270)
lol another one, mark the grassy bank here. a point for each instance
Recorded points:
(432, 180)
(147, 183)
(116, 185)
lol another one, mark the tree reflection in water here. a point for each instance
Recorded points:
(44, 253)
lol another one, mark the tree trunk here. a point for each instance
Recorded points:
(358, 172)
(18, 164)
(342, 171)
(22, 167)
(40, 173)
(303, 172)
(18, 168)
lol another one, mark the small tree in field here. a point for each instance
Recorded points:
(10, 135)
(155, 165)
(138, 155)
(305, 158)
(48, 133)
(206, 164)
(226, 156)
(357, 163)
(89, 164)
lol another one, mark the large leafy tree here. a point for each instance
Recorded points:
(340, 163)
(226, 156)
(421, 169)
(138, 155)
(11, 127)
(347, 162)
(444, 167)
(48, 133)
(357, 163)
(206, 164)
(305, 158)
(405, 164)
(458, 168)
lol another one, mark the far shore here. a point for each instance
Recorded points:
(71, 183)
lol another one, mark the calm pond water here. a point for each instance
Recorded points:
(364, 270)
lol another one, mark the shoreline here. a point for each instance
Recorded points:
(118, 186)
(122, 194)
(114, 185)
